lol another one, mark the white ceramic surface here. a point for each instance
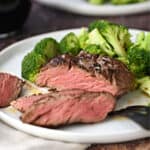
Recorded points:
(84, 8)
(111, 130)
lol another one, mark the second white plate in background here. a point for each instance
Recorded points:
(84, 8)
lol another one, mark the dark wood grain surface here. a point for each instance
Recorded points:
(44, 19)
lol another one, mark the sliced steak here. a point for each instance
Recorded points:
(88, 72)
(10, 88)
(68, 107)
(24, 103)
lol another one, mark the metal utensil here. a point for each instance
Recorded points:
(139, 114)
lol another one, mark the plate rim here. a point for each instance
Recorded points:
(52, 134)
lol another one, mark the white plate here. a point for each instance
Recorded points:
(84, 8)
(111, 130)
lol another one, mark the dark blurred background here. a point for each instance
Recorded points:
(43, 19)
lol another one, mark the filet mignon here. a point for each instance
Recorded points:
(10, 88)
(88, 72)
(67, 107)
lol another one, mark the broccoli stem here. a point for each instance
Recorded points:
(116, 45)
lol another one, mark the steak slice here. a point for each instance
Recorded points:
(10, 88)
(24, 103)
(68, 107)
(87, 72)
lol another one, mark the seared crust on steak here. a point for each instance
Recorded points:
(101, 68)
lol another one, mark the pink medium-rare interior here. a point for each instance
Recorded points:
(24, 103)
(72, 111)
(75, 78)
(8, 91)
(84, 111)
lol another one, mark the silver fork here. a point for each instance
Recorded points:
(139, 114)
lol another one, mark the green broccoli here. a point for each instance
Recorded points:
(139, 55)
(31, 65)
(96, 2)
(115, 2)
(117, 36)
(39, 56)
(123, 60)
(94, 25)
(94, 49)
(96, 38)
(119, 2)
(139, 61)
(47, 47)
(70, 44)
(143, 40)
(144, 84)
(83, 37)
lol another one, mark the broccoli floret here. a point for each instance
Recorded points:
(116, 2)
(144, 84)
(140, 37)
(119, 2)
(139, 61)
(33, 61)
(83, 37)
(139, 55)
(143, 40)
(70, 44)
(31, 65)
(94, 25)
(96, 38)
(94, 49)
(117, 36)
(96, 2)
(123, 60)
(47, 47)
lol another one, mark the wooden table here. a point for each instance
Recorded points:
(43, 19)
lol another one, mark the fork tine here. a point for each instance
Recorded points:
(139, 114)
